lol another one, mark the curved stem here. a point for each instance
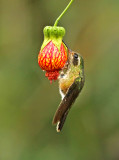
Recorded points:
(57, 20)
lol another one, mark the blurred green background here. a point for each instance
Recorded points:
(27, 99)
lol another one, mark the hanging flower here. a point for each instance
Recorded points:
(53, 53)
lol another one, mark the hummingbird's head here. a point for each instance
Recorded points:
(76, 59)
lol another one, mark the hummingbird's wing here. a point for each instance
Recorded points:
(68, 100)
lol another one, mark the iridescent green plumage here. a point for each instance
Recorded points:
(70, 85)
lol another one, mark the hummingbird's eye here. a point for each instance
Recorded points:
(75, 55)
(75, 59)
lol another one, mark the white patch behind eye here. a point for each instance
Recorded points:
(78, 60)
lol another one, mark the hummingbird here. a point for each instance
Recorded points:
(71, 82)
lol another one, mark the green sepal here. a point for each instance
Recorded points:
(54, 34)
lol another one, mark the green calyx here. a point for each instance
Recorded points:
(54, 34)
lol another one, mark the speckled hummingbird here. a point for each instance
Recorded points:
(71, 83)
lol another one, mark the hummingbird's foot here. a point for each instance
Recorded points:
(61, 74)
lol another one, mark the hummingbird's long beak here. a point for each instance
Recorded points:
(69, 50)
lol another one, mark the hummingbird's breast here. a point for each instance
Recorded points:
(66, 80)
(65, 83)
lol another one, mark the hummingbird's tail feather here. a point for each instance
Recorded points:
(61, 122)
(66, 103)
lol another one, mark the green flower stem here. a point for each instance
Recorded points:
(57, 20)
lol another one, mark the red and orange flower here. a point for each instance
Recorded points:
(53, 54)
